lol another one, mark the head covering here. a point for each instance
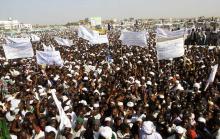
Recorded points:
(105, 132)
(49, 129)
(180, 130)
(148, 127)
(130, 104)
(202, 120)
(79, 120)
(108, 119)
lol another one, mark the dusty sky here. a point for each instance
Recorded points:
(63, 11)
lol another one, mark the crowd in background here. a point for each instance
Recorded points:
(111, 91)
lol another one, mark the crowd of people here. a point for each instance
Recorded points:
(111, 91)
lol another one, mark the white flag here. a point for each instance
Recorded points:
(170, 49)
(163, 33)
(211, 76)
(18, 50)
(134, 38)
(64, 120)
(49, 58)
(63, 42)
(35, 38)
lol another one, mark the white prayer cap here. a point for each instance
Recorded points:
(65, 98)
(96, 105)
(120, 103)
(77, 67)
(130, 104)
(66, 108)
(69, 75)
(105, 132)
(148, 127)
(84, 89)
(117, 69)
(139, 62)
(85, 78)
(56, 77)
(149, 83)
(170, 78)
(9, 117)
(49, 129)
(83, 102)
(161, 96)
(177, 82)
(7, 77)
(180, 130)
(97, 91)
(76, 74)
(108, 119)
(14, 73)
(202, 120)
(143, 78)
(151, 73)
(196, 85)
(137, 82)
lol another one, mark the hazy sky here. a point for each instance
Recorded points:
(62, 11)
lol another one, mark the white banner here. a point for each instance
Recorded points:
(49, 58)
(163, 33)
(10, 40)
(170, 49)
(18, 50)
(212, 76)
(92, 36)
(134, 38)
(35, 38)
(63, 42)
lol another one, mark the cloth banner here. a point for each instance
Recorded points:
(49, 58)
(92, 36)
(64, 120)
(10, 40)
(18, 50)
(163, 33)
(63, 42)
(133, 38)
(35, 38)
(170, 49)
(211, 76)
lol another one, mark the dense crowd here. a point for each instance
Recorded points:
(111, 91)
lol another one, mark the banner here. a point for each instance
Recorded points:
(134, 38)
(95, 21)
(49, 58)
(211, 76)
(18, 50)
(163, 33)
(63, 42)
(35, 38)
(170, 49)
(92, 36)
(10, 40)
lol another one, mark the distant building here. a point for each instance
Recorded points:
(14, 25)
